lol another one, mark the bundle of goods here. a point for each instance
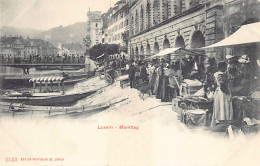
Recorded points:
(143, 87)
(178, 104)
(189, 87)
(197, 117)
(198, 102)
(124, 80)
(250, 125)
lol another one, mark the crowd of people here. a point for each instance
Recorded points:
(164, 77)
(65, 58)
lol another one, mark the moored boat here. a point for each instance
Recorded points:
(46, 99)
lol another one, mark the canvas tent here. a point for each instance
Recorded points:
(247, 34)
(177, 51)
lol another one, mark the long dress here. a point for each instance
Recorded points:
(164, 87)
(222, 109)
(159, 81)
(156, 81)
(152, 78)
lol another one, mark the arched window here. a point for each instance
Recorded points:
(96, 24)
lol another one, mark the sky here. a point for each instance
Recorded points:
(46, 14)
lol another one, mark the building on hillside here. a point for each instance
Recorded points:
(12, 47)
(22, 49)
(71, 49)
(94, 26)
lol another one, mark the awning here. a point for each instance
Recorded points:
(177, 51)
(247, 34)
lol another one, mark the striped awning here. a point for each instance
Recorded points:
(47, 79)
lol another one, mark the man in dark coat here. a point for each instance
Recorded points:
(131, 72)
(143, 72)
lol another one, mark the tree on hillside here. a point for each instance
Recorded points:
(87, 43)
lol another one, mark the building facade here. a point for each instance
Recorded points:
(236, 14)
(94, 26)
(118, 23)
(159, 24)
(19, 48)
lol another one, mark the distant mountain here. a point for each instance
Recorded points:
(12, 31)
(72, 33)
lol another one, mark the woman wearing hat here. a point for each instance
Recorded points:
(222, 109)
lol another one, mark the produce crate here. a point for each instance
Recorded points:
(197, 117)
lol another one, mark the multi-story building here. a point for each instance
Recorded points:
(18, 47)
(236, 14)
(103, 34)
(118, 23)
(159, 24)
(93, 26)
(12, 47)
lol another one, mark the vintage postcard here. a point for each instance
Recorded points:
(129, 82)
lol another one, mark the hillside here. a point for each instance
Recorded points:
(72, 33)
(62, 34)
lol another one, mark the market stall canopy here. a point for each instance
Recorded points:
(177, 51)
(247, 34)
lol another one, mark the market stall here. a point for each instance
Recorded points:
(246, 106)
(192, 108)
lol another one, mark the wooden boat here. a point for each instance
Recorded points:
(45, 99)
(11, 81)
(45, 68)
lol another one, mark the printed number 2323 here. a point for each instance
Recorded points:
(11, 159)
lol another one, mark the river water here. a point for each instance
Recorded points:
(87, 85)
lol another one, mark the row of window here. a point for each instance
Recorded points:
(115, 38)
(115, 18)
(138, 17)
(118, 27)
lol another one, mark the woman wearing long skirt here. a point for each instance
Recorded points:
(222, 109)
(152, 78)
(164, 87)
(159, 81)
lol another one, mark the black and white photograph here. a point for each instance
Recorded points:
(129, 82)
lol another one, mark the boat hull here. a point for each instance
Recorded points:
(14, 82)
(62, 100)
